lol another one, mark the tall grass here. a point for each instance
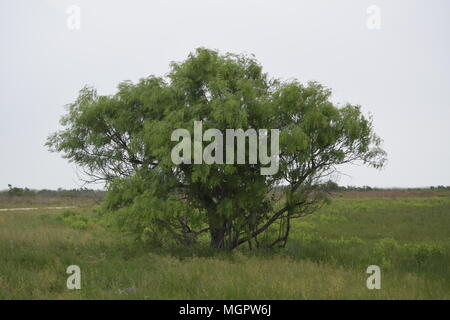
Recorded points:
(326, 257)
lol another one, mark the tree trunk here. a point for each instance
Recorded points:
(217, 237)
(217, 231)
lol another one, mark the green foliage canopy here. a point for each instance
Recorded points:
(124, 139)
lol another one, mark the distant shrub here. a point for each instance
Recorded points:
(331, 186)
(384, 251)
(388, 250)
(423, 252)
(72, 193)
(15, 191)
(75, 219)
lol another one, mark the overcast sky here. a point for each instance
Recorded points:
(400, 72)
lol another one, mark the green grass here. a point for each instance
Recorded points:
(326, 257)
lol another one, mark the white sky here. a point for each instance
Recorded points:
(400, 73)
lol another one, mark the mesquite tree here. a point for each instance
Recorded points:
(125, 140)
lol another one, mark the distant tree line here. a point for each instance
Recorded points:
(81, 192)
(329, 186)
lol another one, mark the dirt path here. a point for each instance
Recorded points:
(26, 209)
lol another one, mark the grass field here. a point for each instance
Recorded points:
(406, 234)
